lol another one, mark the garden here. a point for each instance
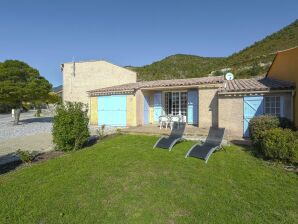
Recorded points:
(122, 179)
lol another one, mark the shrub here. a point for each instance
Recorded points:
(25, 156)
(70, 128)
(101, 131)
(286, 123)
(280, 144)
(258, 125)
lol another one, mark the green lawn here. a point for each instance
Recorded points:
(123, 180)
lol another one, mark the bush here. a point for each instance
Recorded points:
(280, 144)
(70, 128)
(25, 156)
(258, 125)
(286, 123)
(101, 131)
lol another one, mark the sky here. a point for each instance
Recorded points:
(46, 33)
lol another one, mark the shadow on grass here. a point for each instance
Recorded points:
(248, 147)
(255, 152)
(9, 162)
(91, 141)
(95, 139)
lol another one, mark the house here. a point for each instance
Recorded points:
(204, 102)
(285, 67)
(79, 77)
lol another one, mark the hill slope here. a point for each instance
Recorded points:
(57, 88)
(251, 61)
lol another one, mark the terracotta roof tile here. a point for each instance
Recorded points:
(237, 85)
(262, 84)
(130, 87)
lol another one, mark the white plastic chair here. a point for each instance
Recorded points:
(163, 120)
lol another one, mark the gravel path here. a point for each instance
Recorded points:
(28, 125)
(32, 134)
(33, 143)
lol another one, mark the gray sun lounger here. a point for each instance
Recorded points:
(212, 143)
(170, 141)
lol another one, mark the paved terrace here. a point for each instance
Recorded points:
(191, 132)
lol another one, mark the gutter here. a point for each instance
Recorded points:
(111, 93)
(256, 92)
(292, 105)
(217, 85)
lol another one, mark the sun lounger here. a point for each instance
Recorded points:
(170, 141)
(212, 143)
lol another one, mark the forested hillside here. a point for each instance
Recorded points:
(251, 61)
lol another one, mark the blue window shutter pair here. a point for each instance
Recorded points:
(192, 107)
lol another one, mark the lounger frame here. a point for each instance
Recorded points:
(209, 153)
(171, 146)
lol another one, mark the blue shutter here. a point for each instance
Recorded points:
(146, 110)
(102, 109)
(192, 107)
(253, 106)
(157, 106)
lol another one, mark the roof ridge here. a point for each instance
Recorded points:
(160, 83)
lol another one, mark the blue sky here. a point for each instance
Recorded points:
(48, 33)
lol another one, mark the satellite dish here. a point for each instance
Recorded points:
(229, 76)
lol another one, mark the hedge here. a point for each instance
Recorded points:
(280, 144)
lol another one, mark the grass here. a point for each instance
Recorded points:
(123, 180)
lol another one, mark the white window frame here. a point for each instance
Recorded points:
(281, 106)
(175, 91)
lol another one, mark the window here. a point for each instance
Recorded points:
(176, 103)
(272, 105)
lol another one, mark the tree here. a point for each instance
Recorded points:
(54, 98)
(21, 83)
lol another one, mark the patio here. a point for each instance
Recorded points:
(191, 132)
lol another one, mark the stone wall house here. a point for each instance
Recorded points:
(116, 99)
(204, 102)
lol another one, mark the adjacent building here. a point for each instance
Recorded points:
(285, 67)
(79, 77)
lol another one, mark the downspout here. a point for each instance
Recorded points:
(89, 108)
(292, 105)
